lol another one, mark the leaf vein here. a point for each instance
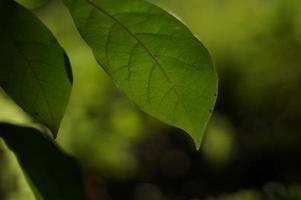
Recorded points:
(29, 64)
(93, 4)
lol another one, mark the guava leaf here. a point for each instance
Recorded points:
(34, 70)
(153, 58)
(51, 174)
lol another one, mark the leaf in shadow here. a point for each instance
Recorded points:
(52, 174)
(34, 70)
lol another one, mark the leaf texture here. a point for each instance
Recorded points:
(34, 70)
(152, 57)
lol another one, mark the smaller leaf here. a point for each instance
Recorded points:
(51, 174)
(33, 67)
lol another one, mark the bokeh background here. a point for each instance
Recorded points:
(252, 146)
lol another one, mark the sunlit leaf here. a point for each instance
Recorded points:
(34, 70)
(152, 57)
(52, 174)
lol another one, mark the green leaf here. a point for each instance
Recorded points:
(32, 4)
(34, 70)
(52, 174)
(152, 57)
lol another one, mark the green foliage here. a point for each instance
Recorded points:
(34, 69)
(153, 58)
(149, 54)
(52, 174)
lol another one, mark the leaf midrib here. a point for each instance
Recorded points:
(37, 80)
(143, 45)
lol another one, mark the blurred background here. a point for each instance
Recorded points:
(252, 146)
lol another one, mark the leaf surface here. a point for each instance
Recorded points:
(153, 58)
(32, 4)
(52, 174)
(34, 70)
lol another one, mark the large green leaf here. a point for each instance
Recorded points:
(152, 57)
(34, 70)
(52, 174)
